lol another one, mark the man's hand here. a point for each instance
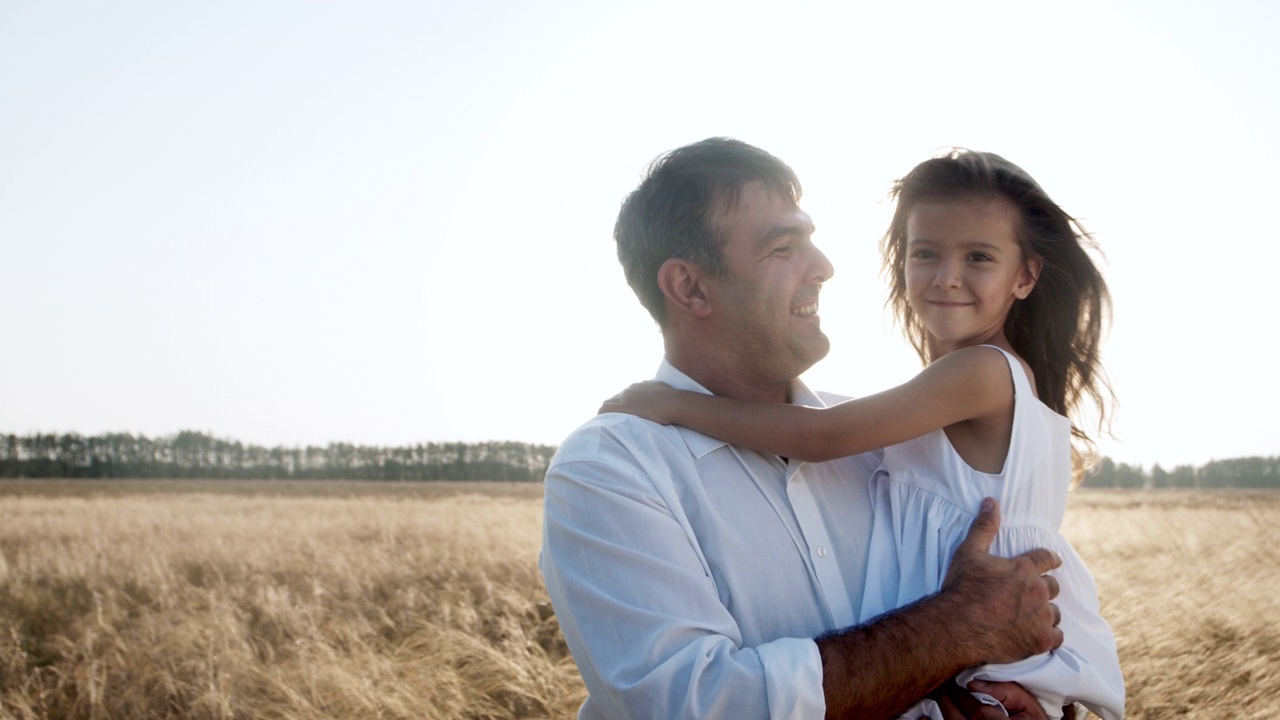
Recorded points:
(990, 610)
(1006, 601)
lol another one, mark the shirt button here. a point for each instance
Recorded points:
(822, 551)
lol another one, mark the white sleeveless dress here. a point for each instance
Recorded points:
(924, 499)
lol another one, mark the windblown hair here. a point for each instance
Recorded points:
(672, 213)
(1058, 327)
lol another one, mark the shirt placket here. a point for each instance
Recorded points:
(822, 551)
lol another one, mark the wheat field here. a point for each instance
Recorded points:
(384, 600)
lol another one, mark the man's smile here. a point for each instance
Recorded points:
(809, 310)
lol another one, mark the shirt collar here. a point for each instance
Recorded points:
(700, 444)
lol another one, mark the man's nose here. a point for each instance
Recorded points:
(822, 269)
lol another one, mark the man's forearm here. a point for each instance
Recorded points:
(881, 668)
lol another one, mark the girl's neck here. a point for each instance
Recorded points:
(937, 348)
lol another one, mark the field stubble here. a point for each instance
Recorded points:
(1190, 582)
(345, 600)
(277, 604)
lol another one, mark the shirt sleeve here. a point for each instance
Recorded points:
(641, 614)
(1086, 668)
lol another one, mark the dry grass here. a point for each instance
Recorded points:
(277, 606)
(385, 600)
(1191, 584)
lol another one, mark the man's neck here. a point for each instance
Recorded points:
(725, 378)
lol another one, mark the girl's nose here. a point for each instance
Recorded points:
(948, 276)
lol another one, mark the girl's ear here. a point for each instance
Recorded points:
(682, 283)
(1027, 278)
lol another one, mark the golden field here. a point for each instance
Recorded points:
(151, 599)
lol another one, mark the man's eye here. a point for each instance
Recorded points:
(782, 250)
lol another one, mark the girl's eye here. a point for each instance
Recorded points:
(979, 257)
(922, 255)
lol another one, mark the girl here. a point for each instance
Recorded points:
(991, 282)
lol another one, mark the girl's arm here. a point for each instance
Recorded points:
(963, 385)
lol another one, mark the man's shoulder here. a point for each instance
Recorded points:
(620, 455)
(617, 437)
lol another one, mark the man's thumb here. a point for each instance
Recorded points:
(983, 531)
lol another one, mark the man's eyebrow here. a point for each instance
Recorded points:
(778, 231)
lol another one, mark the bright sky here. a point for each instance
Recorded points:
(390, 222)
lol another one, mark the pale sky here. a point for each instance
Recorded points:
(390, 222)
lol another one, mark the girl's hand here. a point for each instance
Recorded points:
(651, 400)
(1020, 704)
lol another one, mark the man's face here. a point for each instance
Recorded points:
(765, 307)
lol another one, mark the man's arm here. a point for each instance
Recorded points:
(643, 618)
(991, 609)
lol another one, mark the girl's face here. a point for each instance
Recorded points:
(965, 269)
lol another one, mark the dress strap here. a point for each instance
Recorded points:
(1021, 383)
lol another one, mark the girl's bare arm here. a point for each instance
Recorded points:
(966, 384)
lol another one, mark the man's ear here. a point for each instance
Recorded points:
(682, 283)
(1027, 278)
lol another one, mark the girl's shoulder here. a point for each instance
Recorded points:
(982, 370)
(984, 359)
(993, 365)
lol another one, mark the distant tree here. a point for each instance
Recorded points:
(1183, 476)
(1102, 475)
(1159, 478)
(1130, 476)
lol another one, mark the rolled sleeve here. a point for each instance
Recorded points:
(793, 673)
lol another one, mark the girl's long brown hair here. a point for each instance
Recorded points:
(1058, 327)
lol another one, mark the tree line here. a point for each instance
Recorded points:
(1248, 472)
(191, 454)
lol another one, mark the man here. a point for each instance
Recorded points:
(696, 579)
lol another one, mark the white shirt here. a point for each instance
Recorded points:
(690, 576)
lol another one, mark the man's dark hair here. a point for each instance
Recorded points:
(672, 212)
